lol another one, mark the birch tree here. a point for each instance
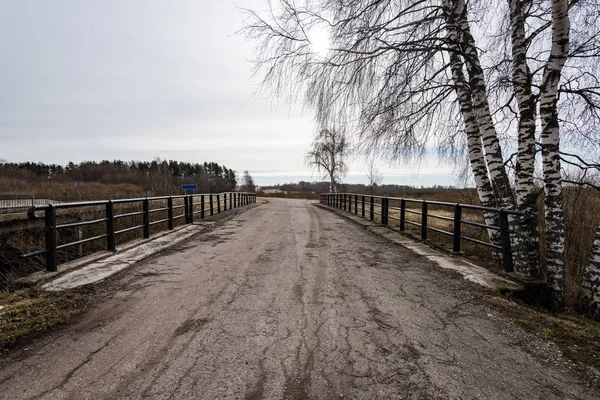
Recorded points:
(374, 177)
(328, 155)
(405, 74)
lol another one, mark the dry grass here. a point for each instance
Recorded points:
(29, 312)
(577, 337)
(52, 188)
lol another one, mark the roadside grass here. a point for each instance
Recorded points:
(27, 313)
(577, 337)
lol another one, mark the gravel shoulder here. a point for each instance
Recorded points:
(289, 301)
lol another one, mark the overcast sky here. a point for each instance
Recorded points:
(136, 80)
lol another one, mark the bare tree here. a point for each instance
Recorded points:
(374, 176)
(402, 74)
(248, 185)
(327, 155)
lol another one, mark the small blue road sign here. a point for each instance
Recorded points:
(189, 186)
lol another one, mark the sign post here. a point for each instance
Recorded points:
(189, 186)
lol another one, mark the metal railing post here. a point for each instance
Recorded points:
(457, 226)
(50, 228)
(186, 210)
(363, 206)
(210, 199)
(402, 214)
(384, 210)
(218, 203)
(202, 206)
(224, 201)
(191, 209)
(170, 212)
(110, 227)
(371, 209)
(507, 260)
(231, 205)
(146, 206)
(424, 220)
(356, 204)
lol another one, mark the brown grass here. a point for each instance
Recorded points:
(51, 188)
(29, 312)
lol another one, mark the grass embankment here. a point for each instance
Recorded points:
(577, 337)
(28, 313)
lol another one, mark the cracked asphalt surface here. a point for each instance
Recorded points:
(288, 301)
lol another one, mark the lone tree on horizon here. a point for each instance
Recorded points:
(374, 176)
(328, 153)
(248, 185)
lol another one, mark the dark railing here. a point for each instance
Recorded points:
(189, 203)
(11, 202)
(380, 206)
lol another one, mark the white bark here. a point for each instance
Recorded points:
(475, 150)
(526, 238)
(553, 200)
(590, 286)
(493, 152)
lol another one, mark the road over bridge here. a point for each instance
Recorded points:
(289, 301)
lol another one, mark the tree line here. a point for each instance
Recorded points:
(159, 176)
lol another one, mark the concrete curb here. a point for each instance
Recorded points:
(470, 271)
(98, 266)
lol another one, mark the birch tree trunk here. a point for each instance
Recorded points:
(475, 149)
(553, 200)
(526, 244)
(332, 187)
(493, 152)
(590, 286)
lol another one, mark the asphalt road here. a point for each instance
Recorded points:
(288, 301)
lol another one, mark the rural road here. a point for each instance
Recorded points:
(288, 301)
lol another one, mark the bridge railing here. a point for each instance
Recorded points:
(18, 201)
(169, 210)
(392, 211)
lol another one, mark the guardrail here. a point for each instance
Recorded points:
(209, 204)
(16, 201)
(366, 203)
